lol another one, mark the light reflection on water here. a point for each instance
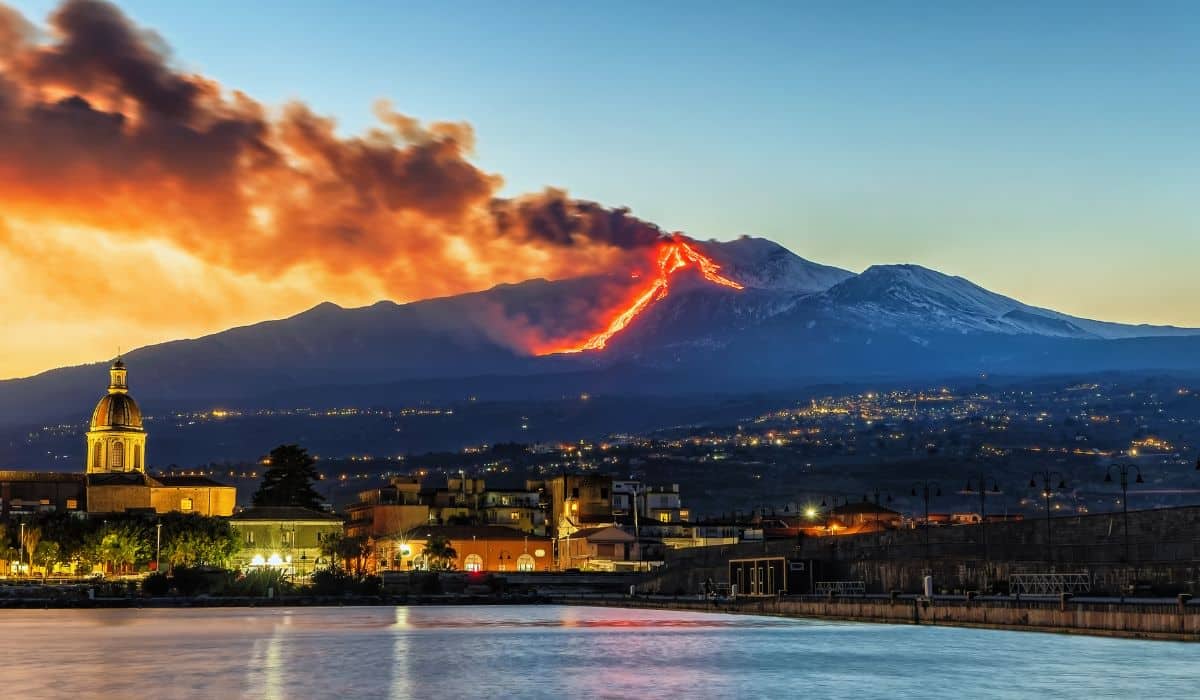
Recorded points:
(551, 651)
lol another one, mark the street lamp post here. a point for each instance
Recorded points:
(157, 546)
(926, 490)
(878, 506)
(1047, 477)
(984, 491)
(1123, 470)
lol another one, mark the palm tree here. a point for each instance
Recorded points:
(440, 554)
(29, 541)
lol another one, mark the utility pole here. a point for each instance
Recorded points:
(1047, 477)
(983, 494)
(926, 490)
(1123, 470)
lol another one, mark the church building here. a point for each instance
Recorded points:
(117, 480)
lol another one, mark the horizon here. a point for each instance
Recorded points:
(1028, 106)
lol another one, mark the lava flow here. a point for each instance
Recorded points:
(673, 255)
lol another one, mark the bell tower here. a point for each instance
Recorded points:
(116, 439)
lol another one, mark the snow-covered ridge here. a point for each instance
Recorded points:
(762, 264)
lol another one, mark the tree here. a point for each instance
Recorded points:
(29, 541)
(8, 553)
(120, 546)
(197, 540)
(289, 481)
(342, 550)
(45, 555)
(439, 553)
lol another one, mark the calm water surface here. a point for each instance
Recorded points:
(549, 651)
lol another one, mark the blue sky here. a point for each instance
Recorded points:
(1049, 153)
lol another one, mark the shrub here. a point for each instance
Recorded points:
(258, 583)
(156, 584)
(331, 581)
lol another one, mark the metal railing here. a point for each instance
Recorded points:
(841, 587)
(1049, 584)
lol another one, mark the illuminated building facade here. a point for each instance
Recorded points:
(115, 470)
(284, 537)
(116, 440)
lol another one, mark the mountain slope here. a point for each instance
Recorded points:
(795, 321)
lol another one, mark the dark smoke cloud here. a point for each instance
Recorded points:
(99, 129)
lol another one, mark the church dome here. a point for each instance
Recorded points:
(117, 411)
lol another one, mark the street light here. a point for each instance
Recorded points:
(157, 546)
(1047, 476)
(984, 491)
(877, 504)
(1123, 470)
(927, 489)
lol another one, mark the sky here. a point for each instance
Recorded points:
(1047, 153)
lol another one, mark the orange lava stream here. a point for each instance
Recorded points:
(673, 255)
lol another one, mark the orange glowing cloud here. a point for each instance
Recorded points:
(123, 177)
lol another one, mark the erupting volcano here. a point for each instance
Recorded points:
(673, 255)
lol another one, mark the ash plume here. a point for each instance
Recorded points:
(100, 131)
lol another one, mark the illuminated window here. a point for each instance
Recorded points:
(185, 505)
(137, 457)
(250, 537)
(524, 563)
(474, 562)
(664, 517)
(514, 515)
(72, 504)
(118, 455)
(96, 452)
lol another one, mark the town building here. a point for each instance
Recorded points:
(284, 537)
(27, 493)
(603, 548)
(117, 480)
(477, 548)
(389, 510)
(115, 477)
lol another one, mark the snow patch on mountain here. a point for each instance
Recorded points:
(762, 264)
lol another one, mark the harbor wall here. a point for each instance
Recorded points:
(1176, 621)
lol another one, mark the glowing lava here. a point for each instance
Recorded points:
(673, 255)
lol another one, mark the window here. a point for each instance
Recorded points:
(289, 538)
(575, 492)
(185, 505)
(474, 562)
(96, 453)
(72, 504)
(603, 493)
(250, 537)
(514, 515)
(664, 517)
(137, 457)
(524, 563)
(118, 455)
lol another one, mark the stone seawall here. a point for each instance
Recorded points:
(1173, 621)
(1163, 554)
